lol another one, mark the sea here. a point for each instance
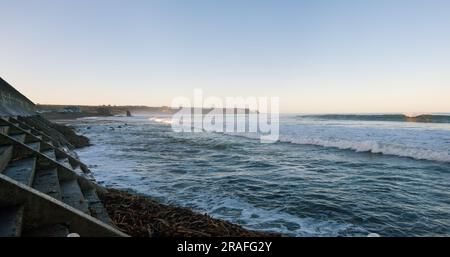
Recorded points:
(327, 175)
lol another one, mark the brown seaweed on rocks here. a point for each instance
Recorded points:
(140, 216)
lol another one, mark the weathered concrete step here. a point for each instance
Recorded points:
(14, 131)
(11, 221)
(47, 182)
(19, 137)
(17, 128)
(57, 230)
(24, 124)
(96, 207)
(46, 146)
(42, 209)
(50, 154)
(4, 130)
(35, 146)
(5, 156)
(78, 170)
(72, 195)
(21, 123)
(65, 162)
(21, 170)
(21, 134)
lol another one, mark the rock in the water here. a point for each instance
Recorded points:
(128, 114)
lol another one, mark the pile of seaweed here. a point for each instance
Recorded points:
(140, 216)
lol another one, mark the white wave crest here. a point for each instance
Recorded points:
(370, 145)
(373, 147)
(162, 120)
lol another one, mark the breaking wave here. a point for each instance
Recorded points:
(372, 146)
(162, 120)
(367, 145)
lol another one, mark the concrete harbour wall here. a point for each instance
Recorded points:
(13, 103)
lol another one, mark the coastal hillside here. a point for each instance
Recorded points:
(61, 112)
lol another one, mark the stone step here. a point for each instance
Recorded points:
(33, 129)
(57, 230)
(78, 170)
(44, 146)
(42, 210)
(50, 154)
(5, 156)
(35, 133)
(11, 221)
(21, 170)
(65, 162)
(47, 182)
(19, 137)
(36, 146)
(19, 128)
(20, 134)
(13, 130)
(22, 124)
(4, 130)
(72, 195)
(95, 206)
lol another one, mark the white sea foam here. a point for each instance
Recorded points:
(370, 146)
(374, 147)
(421, 143)
(161, 120)
(270, 220)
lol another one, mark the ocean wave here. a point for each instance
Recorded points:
(162, 120)
(423, 118)
(373, 147)
(370, 146)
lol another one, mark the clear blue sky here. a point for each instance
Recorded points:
(317, 56)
